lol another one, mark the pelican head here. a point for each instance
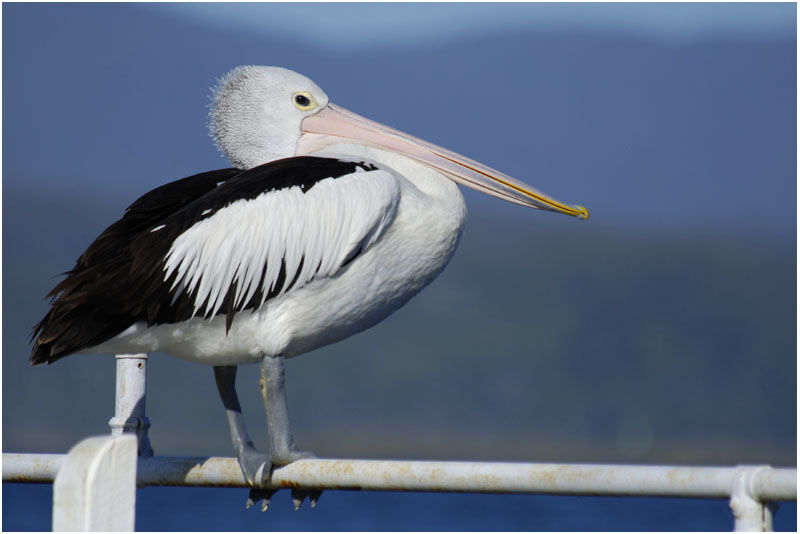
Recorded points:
(261, 114)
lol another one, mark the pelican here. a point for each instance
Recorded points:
(326, 224)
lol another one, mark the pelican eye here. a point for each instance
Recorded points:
(304, 101)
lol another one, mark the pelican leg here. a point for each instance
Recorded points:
(282, 447)
(256, 466)
(273, 392)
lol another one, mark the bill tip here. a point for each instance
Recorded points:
(583, 213)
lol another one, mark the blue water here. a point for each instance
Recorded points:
(27, 507)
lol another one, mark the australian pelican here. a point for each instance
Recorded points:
(326, 224)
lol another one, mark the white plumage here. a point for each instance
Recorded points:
(253, 120)
(322, 228)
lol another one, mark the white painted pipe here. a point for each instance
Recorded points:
(765, 483)
(31, 468)
(130, 403)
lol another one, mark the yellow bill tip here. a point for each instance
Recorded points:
(583, 213)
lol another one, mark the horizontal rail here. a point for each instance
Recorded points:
(31, 468)
(766, 483)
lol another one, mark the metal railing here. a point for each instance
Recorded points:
(751, 490)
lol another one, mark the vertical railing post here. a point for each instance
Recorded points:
(129, 408)
(95, 488)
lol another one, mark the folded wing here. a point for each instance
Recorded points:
(218, 243)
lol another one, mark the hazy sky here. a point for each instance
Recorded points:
(348, 25)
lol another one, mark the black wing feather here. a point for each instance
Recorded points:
(119, 279)
(84, 311)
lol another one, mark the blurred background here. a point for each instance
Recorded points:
(663, 330)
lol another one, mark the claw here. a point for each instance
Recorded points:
(263, 495)
(298, 496)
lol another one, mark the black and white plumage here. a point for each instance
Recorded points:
(327, 224)
(190, 249)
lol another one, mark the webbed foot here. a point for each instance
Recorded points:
(289, 455)
(298, 495)
(256, 467)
